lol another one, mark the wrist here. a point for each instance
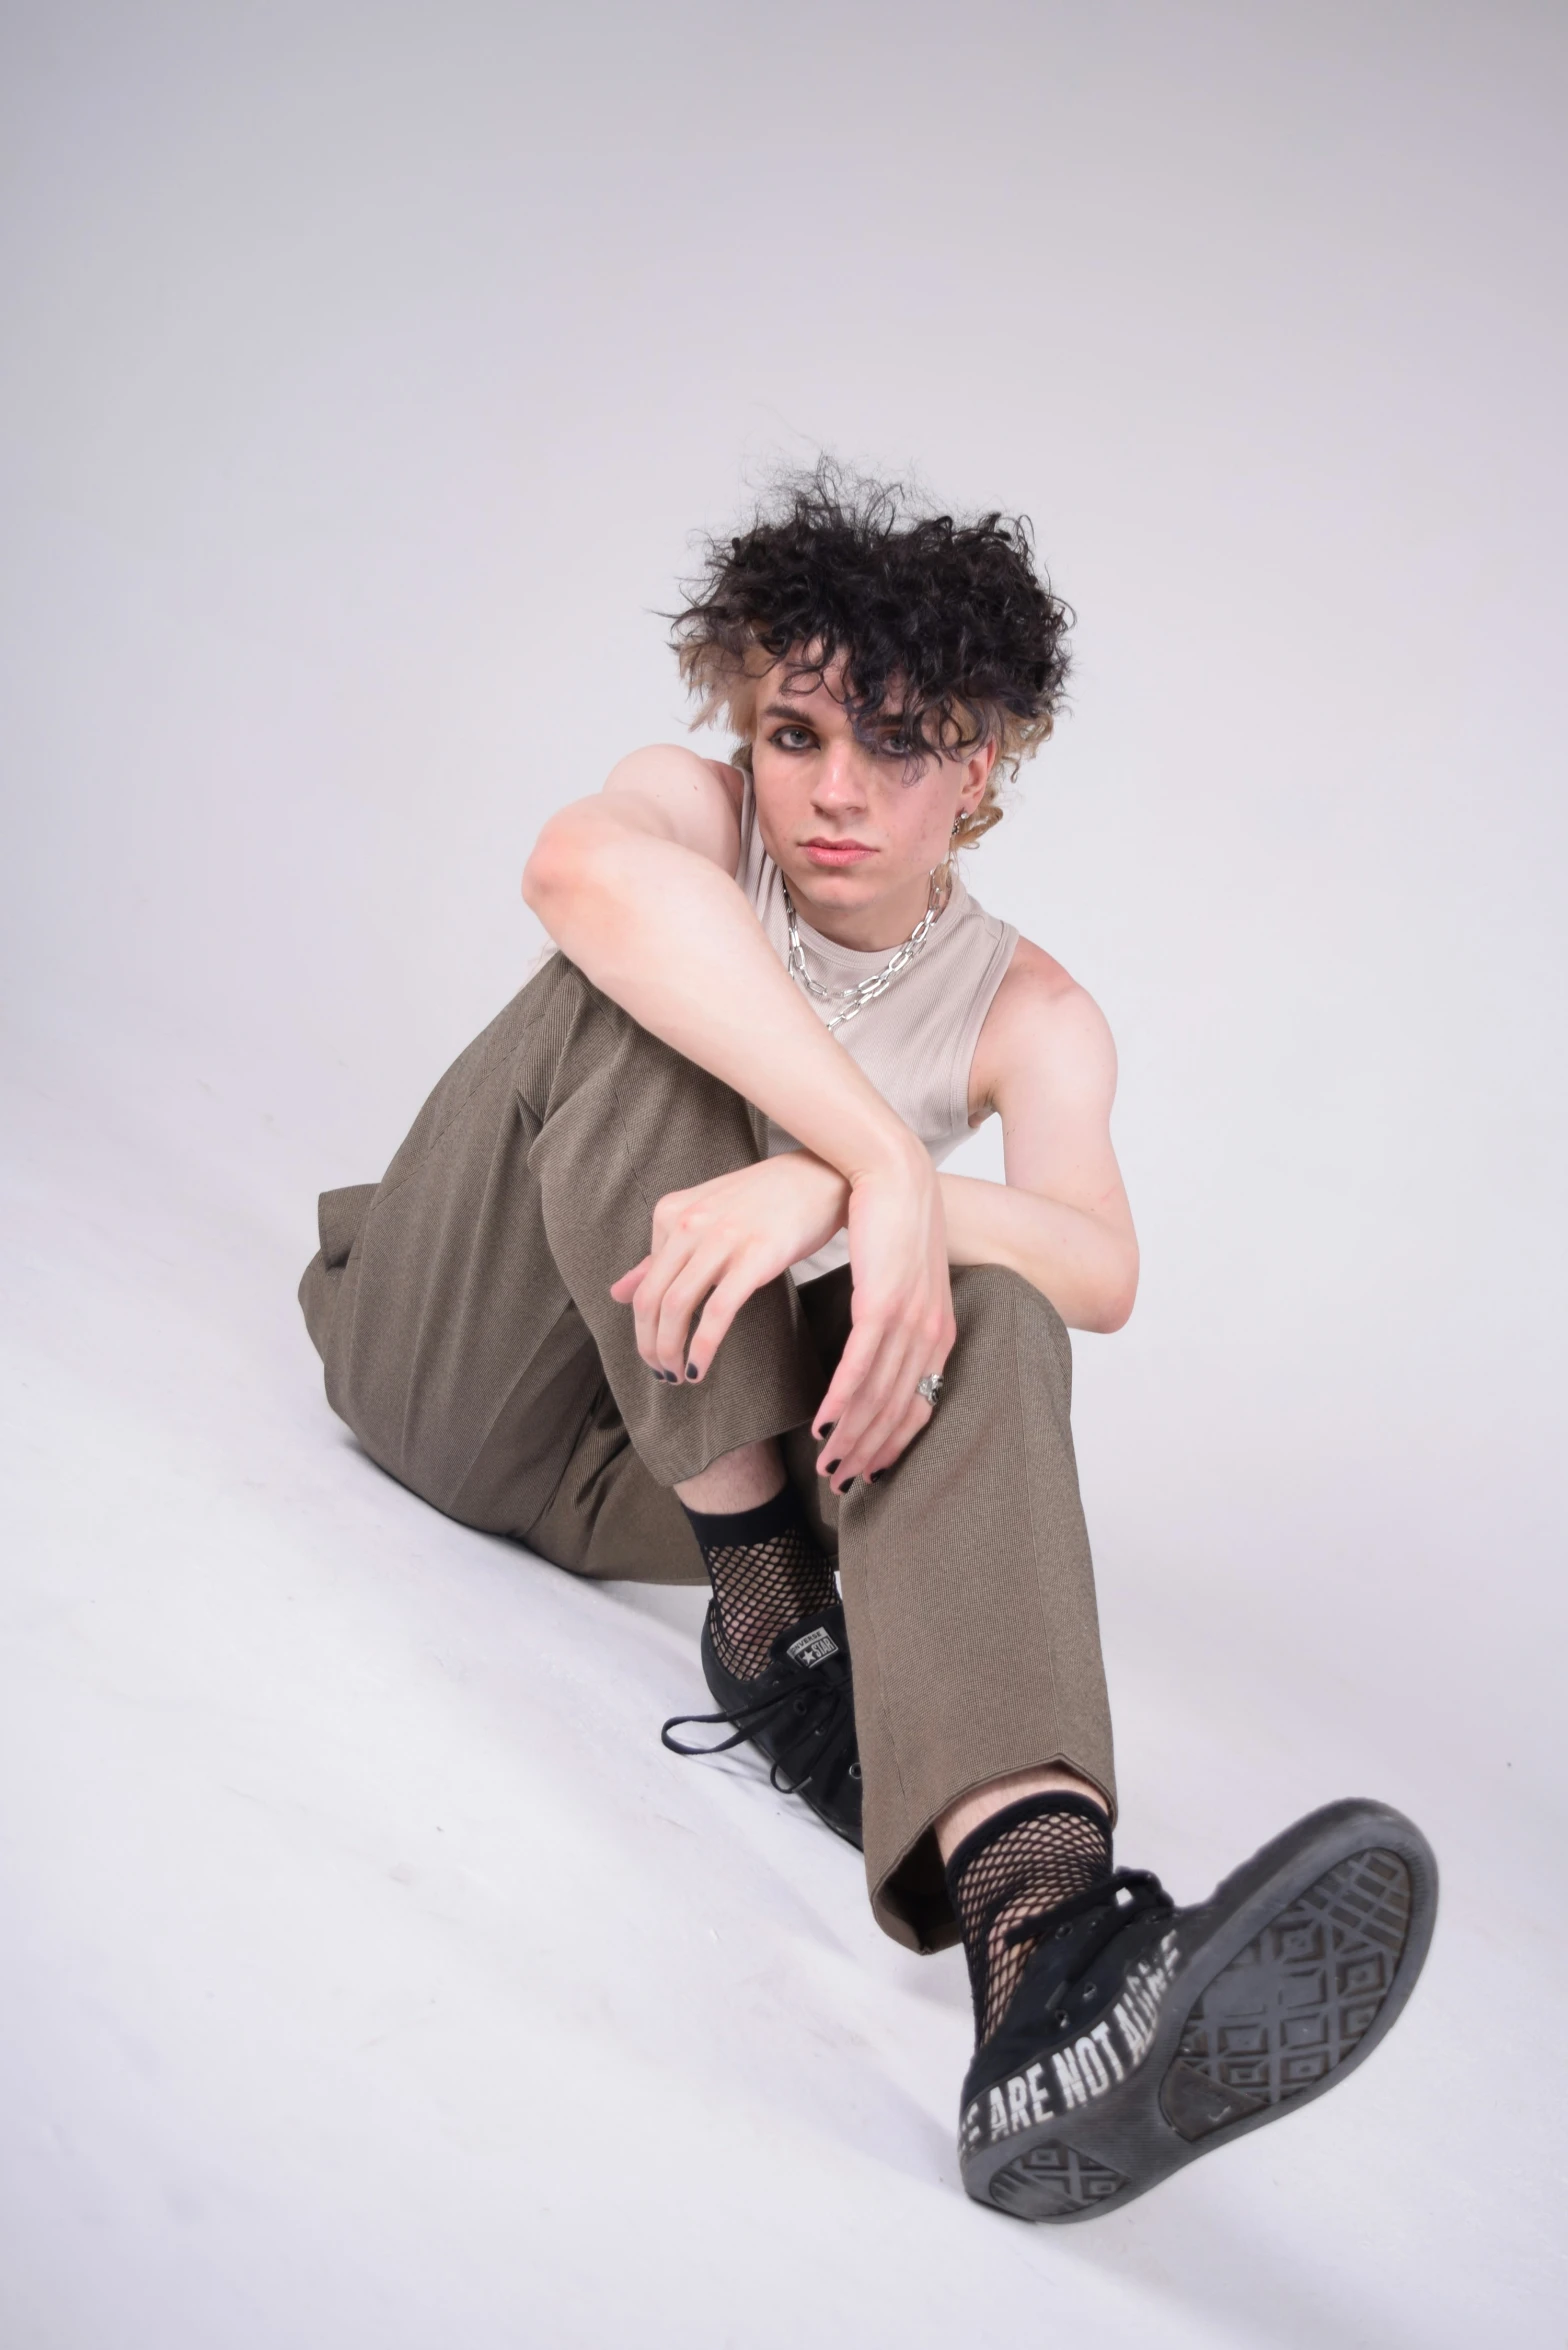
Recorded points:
(818, 1173)
(897, 1154)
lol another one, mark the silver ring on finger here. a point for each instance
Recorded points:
(929, 1389)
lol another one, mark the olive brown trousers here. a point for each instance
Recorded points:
(461, 1307)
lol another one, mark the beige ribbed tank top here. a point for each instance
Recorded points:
(916, 1042)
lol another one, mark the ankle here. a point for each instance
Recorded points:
(739, 1480)
(971, 1811)
(768, 1573)
(1005, 1878)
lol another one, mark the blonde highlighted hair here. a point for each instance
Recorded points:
(942, 629)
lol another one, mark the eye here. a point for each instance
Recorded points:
(792, 738)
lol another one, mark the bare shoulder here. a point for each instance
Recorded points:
(1043, 1032)
(690, 799)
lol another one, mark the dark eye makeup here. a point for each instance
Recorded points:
(795, 740)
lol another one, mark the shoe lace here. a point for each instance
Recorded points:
(824, 1707)
(1114, 1904)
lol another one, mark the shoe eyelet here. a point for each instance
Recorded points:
(1062, 1933)
(854, 1770)
(1088, 1991)
(1060, 2018)
(800, 1705)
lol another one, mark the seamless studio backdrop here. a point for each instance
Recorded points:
(369, 1974)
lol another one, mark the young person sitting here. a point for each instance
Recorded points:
(667, 1283)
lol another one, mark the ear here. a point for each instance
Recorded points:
(977, 775)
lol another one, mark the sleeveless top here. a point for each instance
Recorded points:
(915, 1043)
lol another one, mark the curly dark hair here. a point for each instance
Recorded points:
(944, 626)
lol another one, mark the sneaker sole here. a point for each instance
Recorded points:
(1284, 1981)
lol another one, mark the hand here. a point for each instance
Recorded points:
(903, 1325)
(718, 1243)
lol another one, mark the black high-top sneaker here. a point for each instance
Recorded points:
(800, 1712)
(1142, 2035)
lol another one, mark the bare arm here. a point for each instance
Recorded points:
(636, 887)
(1046, 1063)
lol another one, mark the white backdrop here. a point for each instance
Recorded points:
(366, 371)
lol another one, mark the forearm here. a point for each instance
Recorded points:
(670, 938)
(1086, 1266)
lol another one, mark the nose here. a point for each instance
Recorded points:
(838, 787)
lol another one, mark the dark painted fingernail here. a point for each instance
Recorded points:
(844, 1488)
(875, 1474)
(824, 1432)
(829, 1468)
(691, 1370)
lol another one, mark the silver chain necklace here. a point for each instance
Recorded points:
(853, 1000)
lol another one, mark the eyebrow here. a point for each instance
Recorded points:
(891, 720)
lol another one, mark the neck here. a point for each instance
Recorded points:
(871, 929)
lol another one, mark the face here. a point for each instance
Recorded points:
(855, 830)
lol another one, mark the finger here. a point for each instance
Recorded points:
(854, 1364)
(667, 1213)
(664, 1266)
(624, 1290)
(892, 1448)
(878, 1401)
(889, 1407)
(887, 1391)
(683, 1296)
(844, 1409)
(720, 1311)
(866, 1449)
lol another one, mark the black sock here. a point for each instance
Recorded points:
(767, 1570)
(1016, 1865)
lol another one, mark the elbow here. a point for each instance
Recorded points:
(550, 878)
(1113, 1306)
(1114, 1314)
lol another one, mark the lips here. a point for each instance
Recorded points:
(831, 853)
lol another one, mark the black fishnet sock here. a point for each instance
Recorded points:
(1020, 1862)
(767, 1570)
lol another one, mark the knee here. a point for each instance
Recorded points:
(983, 1292)
(991, 1302)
